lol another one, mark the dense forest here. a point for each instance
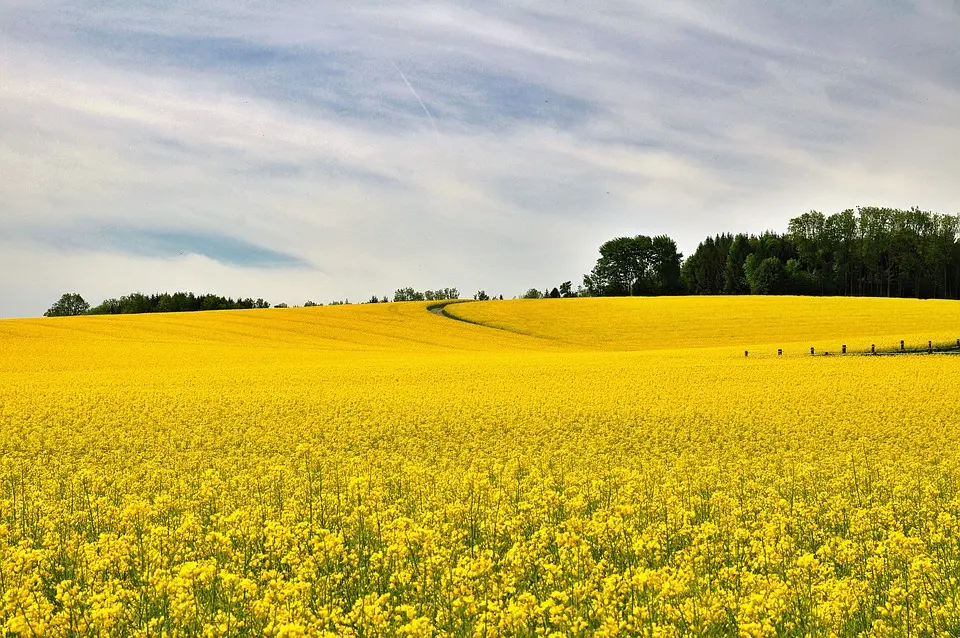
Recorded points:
(869, 251)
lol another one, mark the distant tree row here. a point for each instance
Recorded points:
(866, 251)
(870, 251)
(409, 294)
(72, 304)
(138, 303)
(563, 291)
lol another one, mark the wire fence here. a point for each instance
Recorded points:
(903, 348)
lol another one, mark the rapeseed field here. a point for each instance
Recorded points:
(593, 467)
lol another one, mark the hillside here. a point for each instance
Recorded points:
(382, 470)
(661, 323)
(549, 325)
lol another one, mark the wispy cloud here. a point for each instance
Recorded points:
(288, 134)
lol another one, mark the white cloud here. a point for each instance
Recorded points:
(560, 125)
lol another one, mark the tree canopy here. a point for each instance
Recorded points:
(139, 303)
(69, 305)
(441, 294)
(868, 251)
(638, 265)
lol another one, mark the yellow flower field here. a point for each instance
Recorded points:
(648, 323)
(601, 467)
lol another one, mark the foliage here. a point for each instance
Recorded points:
(69, 305)
(869, 251)
(735, 280)
(362, 471)
(139, 303)
(442, 294)
(765, 276)
(532, 293)
(705, 271)
(881, 251)
(636, 266)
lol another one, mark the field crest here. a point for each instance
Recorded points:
(667, 323)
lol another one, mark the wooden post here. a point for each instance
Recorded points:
(779, 352)
(844, 349)
(901, 346)
(873, 348)
(811, 351)
(746, 354)
(930, 347)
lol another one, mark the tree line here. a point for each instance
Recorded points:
(870, 251)
(409, 294)
(138, 303)
(867, 251)
(72, 304)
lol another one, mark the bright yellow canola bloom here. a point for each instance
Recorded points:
(660, 323)
(381, 470)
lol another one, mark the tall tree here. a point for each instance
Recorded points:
(636, 266)
(69, 305)
(622, 261)
(666, 266)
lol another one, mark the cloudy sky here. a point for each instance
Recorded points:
(330, 150)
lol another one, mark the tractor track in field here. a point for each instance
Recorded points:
(439, 309)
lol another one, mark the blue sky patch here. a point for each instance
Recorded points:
(175, 243)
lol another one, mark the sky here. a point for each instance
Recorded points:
(334, 150)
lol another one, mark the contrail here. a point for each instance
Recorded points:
(417, 95)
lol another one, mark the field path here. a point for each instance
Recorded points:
(440, 309)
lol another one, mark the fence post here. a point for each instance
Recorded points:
(746, 353)
(873, 348)
(901, 346)
(844, 349)
(930, 347)
(779, 352)
(811, 351)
